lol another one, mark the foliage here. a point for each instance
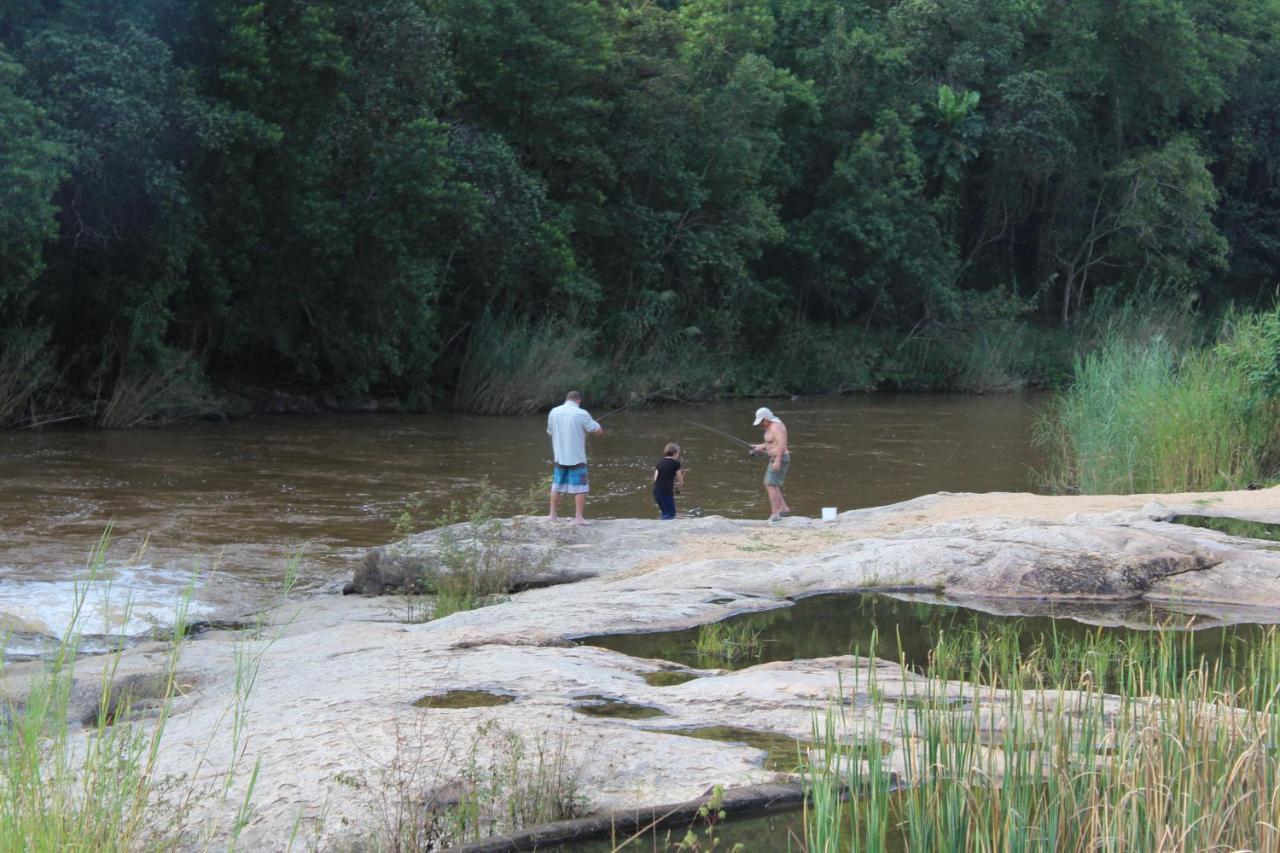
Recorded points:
(383, 198)
(1148, 416)
(709, 814)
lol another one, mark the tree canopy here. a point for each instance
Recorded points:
(340, 194)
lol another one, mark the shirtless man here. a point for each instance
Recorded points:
(775, 447)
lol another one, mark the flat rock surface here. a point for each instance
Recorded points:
(333, 724)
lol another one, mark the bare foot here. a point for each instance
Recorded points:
(581, 522)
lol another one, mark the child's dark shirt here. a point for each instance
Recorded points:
(666, 482)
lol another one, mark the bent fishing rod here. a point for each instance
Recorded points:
(637, 401)
(748, 445)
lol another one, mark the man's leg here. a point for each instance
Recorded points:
(775, 500)
(783, 507)
(579, 504)
(554, 494)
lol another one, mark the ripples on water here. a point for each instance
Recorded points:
(234, 501)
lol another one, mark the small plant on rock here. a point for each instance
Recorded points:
(729, 643)
(477, 550)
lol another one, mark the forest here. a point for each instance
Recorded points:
(478, 203)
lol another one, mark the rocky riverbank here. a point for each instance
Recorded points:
(332, 716)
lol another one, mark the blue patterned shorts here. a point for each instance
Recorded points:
(570, 479)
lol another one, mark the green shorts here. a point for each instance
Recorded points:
(777, 478)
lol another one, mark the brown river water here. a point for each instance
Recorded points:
(221, 507)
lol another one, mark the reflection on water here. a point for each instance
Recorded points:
(234, 500)
(1232, 526)
(887, 628)
(782, 753)
(776, 832)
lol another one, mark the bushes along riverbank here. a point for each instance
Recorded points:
(1159, 412)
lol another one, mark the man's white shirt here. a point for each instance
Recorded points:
(568, 425)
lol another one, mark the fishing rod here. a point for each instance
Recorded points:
(637, 401)
(748, 445)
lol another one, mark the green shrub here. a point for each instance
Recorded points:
(1144, 416)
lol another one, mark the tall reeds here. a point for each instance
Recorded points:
(1183, 752)
(517, 367)
(26, 374)
(1150, 415)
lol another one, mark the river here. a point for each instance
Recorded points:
(220, 508)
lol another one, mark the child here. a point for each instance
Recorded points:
(667, 477)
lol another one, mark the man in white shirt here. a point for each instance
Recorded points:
(568, 425)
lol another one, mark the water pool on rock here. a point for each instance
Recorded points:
(668, 678)
(1231, 526)
(464, 699)
(910, 626)
(608, 706)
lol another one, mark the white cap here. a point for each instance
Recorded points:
(761, 414)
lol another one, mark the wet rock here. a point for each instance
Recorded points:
(534, 552)
(1109, 557)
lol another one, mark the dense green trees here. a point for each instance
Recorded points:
(353, 196)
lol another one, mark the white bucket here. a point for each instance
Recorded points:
(828, 513)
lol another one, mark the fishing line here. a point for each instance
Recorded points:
(748, 445)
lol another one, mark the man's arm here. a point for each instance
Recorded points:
(592, 425)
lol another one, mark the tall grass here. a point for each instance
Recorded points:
(1147, 415)
(171, 391)
(726, 643)
(498, 782)
(517, 367)
(94, 783)
(59, 791)
(26, 373)
(1183, 755)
